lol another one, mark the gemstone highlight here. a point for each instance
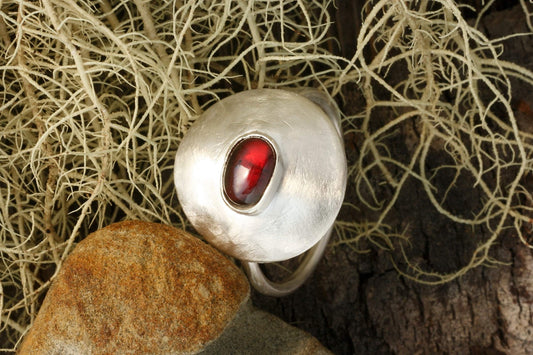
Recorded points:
(249, 168)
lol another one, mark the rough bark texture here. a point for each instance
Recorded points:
(359, 304)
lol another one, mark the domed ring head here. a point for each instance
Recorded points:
(262, 174)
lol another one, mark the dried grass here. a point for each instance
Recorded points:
(446, 83)
(95, 97)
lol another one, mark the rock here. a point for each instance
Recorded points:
(146, 288)
(253, 331)
(138, 288)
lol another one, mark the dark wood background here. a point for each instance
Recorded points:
(358, 304)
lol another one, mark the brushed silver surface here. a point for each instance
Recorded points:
(304, 195)
(279, 289)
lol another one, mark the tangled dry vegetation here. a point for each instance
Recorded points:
(96, 95)
(455, 94)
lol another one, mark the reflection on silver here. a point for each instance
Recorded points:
(303, 197)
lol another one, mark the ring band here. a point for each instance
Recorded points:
(261, 175)
(263, 285)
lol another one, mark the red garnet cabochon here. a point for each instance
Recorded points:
(249, 168)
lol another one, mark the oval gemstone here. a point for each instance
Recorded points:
(248, 171)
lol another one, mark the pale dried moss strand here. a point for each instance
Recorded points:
(92, 109)
(477, 129)
(528, 11)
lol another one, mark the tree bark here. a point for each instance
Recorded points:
(358, 303)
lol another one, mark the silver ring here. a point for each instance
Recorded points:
(262, 175)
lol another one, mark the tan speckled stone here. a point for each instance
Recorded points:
(138, 288)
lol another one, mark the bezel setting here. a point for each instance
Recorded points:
(270, 188)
